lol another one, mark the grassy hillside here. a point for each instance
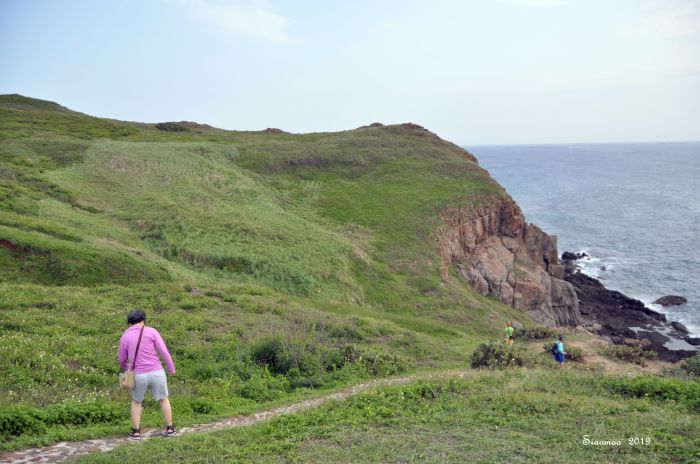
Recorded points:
(275, 265)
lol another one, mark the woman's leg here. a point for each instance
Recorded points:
(135, 414)
(167, 411)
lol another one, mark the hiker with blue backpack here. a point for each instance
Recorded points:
(558, 351)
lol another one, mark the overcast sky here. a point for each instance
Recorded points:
(474, 71)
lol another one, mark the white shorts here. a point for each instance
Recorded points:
(155, 381)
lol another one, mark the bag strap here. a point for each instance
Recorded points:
(138, 344)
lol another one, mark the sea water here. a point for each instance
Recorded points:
(633, 208)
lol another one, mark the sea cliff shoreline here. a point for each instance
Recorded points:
(626, 321)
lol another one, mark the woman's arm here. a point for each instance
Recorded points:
(123, 354)
(163, 351)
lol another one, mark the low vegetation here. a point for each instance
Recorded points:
(497, 355)
(632, 354)
(536, 332)
(512, 415)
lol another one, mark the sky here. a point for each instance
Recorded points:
(473, 71)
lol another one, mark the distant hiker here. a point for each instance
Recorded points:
(558, 351)
(510, 333)
(146, 343)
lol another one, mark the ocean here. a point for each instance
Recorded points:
(633, 208)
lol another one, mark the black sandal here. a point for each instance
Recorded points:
(135, 434)
(169, 431)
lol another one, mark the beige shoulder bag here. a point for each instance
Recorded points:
(126, 378)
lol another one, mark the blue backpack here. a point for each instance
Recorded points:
(554, 349)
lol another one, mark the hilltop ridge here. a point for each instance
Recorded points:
(255, 170)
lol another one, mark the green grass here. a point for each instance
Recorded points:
(58, 345)
(318, 248)
(513, 416)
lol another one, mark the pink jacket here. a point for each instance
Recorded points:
(151, 345)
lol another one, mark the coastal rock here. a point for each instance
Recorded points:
(671, 300)
(679, 327)
(499, 254)
(623, 318)
(569, 256)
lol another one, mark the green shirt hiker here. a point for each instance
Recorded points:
(509, 335)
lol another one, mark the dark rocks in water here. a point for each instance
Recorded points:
(622, 319)
(569, 256)
(603, 268)
(695, 341)
(679, 327)
(671, 300)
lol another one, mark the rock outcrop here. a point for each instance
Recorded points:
(624, 320)
(671, 300)
(499, 254)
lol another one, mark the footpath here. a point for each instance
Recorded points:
(69, 450)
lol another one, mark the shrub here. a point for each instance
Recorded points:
(201, 406)
(497, 355)
(347, 332)
(264, 387)
(298, 379)
(574, 354)
(690, 369)
(171, 127)
(537, 332)
(282, 356)
(692, 366)
(658, 388)
(73, 413)
(20, 420)
(380, 363)
(270, 352)
(633, 354)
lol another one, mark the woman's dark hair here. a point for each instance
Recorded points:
(136, 316)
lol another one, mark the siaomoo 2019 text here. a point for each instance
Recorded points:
(632, 441)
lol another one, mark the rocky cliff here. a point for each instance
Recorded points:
(499, 254)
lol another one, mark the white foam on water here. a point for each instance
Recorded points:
(678, 344)
(592, 265)
(673, 344)
(607, 208)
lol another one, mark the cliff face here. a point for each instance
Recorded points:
(498, 254)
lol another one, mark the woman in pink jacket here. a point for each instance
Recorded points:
(148, 371)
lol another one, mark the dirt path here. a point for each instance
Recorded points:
(592, 345)
(69, 450)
